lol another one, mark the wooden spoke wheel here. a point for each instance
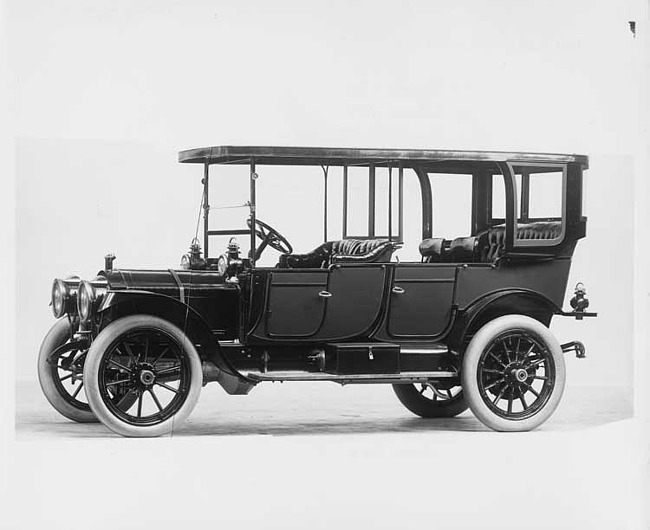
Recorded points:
(433, 399)
(143, 376)
(513, 373)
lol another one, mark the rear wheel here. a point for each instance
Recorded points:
(513, 373)
(432, 399)
(158, 369)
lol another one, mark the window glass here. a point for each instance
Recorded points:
(382, 193)
(357, 201)
(498, 197)
(452, 205)
(334, 203)
(412, 218)
(546, 195)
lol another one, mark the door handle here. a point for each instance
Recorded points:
(325, 294)
(398, 290)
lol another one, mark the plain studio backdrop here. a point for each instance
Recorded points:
(107, 92)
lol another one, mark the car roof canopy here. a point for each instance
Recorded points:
(336, 156)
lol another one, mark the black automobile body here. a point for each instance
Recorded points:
(467, 324)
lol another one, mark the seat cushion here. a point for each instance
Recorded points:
(341, 251)
(362, 250)
(492, 242)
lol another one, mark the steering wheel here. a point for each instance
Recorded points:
(270, 237)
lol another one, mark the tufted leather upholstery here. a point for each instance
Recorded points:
(485, 246)
(492, 242)
(342, 251)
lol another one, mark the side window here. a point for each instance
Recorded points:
(541, 216)
(452, 205)
(357, 222)
(545, 195)
(498, 197)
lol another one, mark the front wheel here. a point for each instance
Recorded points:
(513, 373)
(60, 372)
(153, 365)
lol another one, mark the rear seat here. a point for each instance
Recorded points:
(486, 246)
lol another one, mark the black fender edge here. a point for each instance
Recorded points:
(506, 302)
(130, 302)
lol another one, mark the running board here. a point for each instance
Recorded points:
(423, 350)
(405, 377)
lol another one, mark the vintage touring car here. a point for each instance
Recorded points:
(465, 324)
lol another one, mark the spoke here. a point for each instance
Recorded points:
(497, 359)
(535, 363)
(491, 371)
(449, 393)
(66, 377)
(146, 349)
(423, 389)
(523, 401)
(531, 389)
(155, 398)
(495, 383)
(119, 365)
(167, 371)
(532, 347)
(510, 401)
(130, 352)
(542, 377)
(76, 392)
(118, 382)
(499, 395)
(505, 347)
(167, 387)
(140, 404)
(165, 350)
(124, 399)
(517, 348)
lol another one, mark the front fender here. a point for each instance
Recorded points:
(117, 304)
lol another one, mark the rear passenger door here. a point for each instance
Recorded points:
(420, 301)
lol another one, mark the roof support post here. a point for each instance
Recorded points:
(325, 172)
(345, 201)
(427, 202)
(253, 178)
(390, 202)
(206, 207)
(400, 213)
(371, 200)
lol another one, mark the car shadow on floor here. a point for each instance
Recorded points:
(584, 409)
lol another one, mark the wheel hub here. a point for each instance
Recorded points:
(145, 374)
(520, 375)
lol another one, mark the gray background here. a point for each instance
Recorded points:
(106, 93)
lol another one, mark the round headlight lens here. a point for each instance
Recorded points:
(60, 295)
(222, 265)
(85, 300)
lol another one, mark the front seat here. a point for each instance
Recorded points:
(341, 251)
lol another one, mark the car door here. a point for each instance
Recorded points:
(295, 303)
(420, 302)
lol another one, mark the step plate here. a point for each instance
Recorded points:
(350, 378)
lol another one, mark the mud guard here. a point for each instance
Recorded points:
(509, 301)
(128, 302)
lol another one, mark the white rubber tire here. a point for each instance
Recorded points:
(470, 366)
(58, 335)
(91, 376)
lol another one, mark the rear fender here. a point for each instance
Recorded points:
(117, 304)
(507, 302)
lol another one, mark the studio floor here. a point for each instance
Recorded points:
(318, 456)
(316, 409)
